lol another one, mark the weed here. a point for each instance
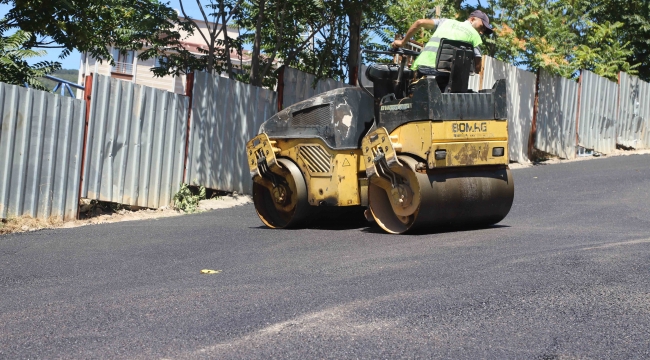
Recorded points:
(186, 200)
(539, 156)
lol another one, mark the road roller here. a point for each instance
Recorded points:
(416, 153)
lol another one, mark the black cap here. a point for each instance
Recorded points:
(486, 21)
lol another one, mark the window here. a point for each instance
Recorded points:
(159, 61)
(123, 62)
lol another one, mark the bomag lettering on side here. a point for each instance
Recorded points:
(415, 157)
(469, 127)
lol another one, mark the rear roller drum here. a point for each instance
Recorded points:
(283, 204)
(462, 197)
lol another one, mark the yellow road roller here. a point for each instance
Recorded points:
(419, 154)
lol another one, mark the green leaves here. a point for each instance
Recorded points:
(14, 68)
(603, 52)
(188, 201)
(633, 34)
(89, 25)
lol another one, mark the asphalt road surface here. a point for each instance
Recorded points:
(565, 276)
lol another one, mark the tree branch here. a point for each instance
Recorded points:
(205, 18)
(279, 38)
(192, 21)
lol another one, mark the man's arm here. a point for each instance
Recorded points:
(477, 60)
(421, 23)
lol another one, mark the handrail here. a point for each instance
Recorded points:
(63, 84)
(61, 81)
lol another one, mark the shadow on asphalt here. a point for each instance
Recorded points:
(375, 229)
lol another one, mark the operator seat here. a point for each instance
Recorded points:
(454, 64)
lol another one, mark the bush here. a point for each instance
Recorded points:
(186, 200)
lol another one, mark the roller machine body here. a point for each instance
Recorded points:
(417, 158)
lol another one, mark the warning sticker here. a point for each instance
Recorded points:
(346, 162)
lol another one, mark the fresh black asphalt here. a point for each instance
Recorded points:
(566, 275)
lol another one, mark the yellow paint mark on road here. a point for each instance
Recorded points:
(208, 271)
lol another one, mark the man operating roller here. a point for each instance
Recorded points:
(468, 31)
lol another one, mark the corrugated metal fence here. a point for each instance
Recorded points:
(634, 112)
(520, 86)
(298, 86)
(556, 114)
(41, 137)
(597, 113)
(136, 143)
(225, 115)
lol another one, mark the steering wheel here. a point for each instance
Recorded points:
(392, 51)
(406, 52)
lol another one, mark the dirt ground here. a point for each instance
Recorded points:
(110, 214)
(107, 214)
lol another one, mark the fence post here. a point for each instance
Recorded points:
(354, 76)
(280, 87)
(189, 92)
(618, 109)
(533, 127)
(578, 112)
(88, 90)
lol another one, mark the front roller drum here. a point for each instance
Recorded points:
(461, 197)
(282, 204)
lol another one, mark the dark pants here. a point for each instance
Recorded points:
(441, 77)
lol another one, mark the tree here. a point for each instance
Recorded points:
(403, 13)
(372, 11)
(284, 30)
(14, 69)
(558, 36)
(635, 31)
(90, 25)
(603, 52)
(535, 34)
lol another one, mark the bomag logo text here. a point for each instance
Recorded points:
(469, 127)
(396, 107)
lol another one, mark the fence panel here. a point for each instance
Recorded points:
(298, 86)
(225, 115)
(633, 128)
(474, 82)
(521, 97)
(41, 140)
(136, 143)
(556, 115)
(597, 118)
